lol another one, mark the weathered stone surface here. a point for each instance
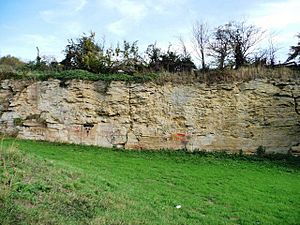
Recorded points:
(295, 150)
(149, 116)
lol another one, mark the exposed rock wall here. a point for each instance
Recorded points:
(149, 116)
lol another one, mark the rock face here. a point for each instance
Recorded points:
(149, 116)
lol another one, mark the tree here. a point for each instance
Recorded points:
(169, 61)
(242, 39)
(185, 60)
(185, 64)
(271, 52)
(267, 56)
(84, 53)
(295, 50)
(153, 54)
(200, 39)
(219, 46)
(184, 50)
(40, 63)
(125, 58)
(131, 60)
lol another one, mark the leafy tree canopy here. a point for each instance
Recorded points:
(295, 50)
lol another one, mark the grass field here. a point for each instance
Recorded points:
(48, 183)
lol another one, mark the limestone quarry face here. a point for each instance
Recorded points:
(231, 117)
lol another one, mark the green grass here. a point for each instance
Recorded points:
(76, 74)
(50, 183)
(212, 76)
(85, 75)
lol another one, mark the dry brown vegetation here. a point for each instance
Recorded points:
(229, 75)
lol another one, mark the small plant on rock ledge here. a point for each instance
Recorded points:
(18, 121)
(261, 151)
(241, 153)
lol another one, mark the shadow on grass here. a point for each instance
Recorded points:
(276, 159)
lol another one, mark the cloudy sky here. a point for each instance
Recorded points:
(48, 24)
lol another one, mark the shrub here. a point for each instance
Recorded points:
(18, 121)
(261, 151)
(241, 153)
(12, 61)
(6, 71)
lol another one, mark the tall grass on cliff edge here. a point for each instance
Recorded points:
(246, 74)
(216, 76)
(212, 76)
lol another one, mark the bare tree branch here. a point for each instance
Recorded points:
(200, 38)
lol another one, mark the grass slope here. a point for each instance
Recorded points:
(48, 183)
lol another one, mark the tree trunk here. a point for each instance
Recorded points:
(202, 60)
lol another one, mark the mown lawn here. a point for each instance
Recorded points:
(48, 183)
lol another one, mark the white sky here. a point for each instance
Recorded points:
(48, 24)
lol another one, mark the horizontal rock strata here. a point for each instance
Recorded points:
(231, 117)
